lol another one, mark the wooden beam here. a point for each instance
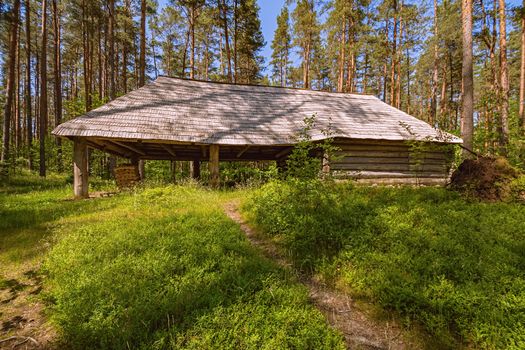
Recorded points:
(326, 165)
(243, 151)
(203, 151)
(105, 146)
(196, 169)
(80, 169)
(214, 166)
(169, 150)
(132, 148)
(284, 152)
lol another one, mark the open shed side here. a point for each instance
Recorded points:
(178, 119)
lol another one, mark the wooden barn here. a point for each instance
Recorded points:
(178, 119)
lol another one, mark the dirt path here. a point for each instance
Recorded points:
(359, 330)
(22, 321)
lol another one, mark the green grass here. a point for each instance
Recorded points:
(157, 268)
(456, 267)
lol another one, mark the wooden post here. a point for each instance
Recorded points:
(326, 165)
(80, 169)
(281, 165)
(173, 169)
(196, 169)
(142, 170)
(214, 166)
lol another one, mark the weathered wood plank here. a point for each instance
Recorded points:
(386, 160)
(406, 181)
(128, 146)
(80, 169)
(385, 174)
(388, 167)
(214, 166)
(170, 150)
(390, 154)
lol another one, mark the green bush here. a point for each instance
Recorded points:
(454, 266)
(167, 269)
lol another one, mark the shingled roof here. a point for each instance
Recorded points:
(189, 111)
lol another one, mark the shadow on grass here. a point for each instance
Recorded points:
(427, 254)
(175, 280)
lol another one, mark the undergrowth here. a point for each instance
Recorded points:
(165, 268)
(451, 265)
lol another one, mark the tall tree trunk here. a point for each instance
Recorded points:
(394, 57)
(342, 45)
(235, 39)
(467, 102)
(142, 58)
(186, 43)
(99, 59)
(408, 81)
(36, 135)
(385, 69)
(443, 100)
(125, 47)
(58, 81)
(29, 121)
(435, 76)
(192, 53)
(224, 11)
(350, 78)
(8, 109)
(43, 91)
(399, 56)
(306, 64)
(522, 72)
(142, 64)
(111, 58)
(154, 59)
(504, 133)
(17, 124)
(85, 58)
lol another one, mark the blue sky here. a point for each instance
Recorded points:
(270, 9)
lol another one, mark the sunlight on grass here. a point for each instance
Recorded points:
(155, 268)
(454, 266)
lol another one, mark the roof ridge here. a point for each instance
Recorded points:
(266, 86)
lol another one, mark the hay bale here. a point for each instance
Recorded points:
(485, 178)
(127, 175)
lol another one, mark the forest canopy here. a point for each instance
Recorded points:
(61, 58)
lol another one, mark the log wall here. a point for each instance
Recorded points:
(391, 162)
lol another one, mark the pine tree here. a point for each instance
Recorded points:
(8, 108)
(504, 79)
(467, 104)
(249, 43)
(43, 91)
(306, 32)
(281, 45)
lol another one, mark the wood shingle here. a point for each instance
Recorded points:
(189, 111)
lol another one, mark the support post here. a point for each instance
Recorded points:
(281, 165)
(142, 170)
(214, 166)
(326, 165)
(80, 169)
(196, 169)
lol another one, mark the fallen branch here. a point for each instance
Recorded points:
(23, 340)
(471, 151)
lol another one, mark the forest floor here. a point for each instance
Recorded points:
(181, 267)
(152, 268)
(360, 329)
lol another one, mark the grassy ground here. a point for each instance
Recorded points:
(453, 266)
(156, 268)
